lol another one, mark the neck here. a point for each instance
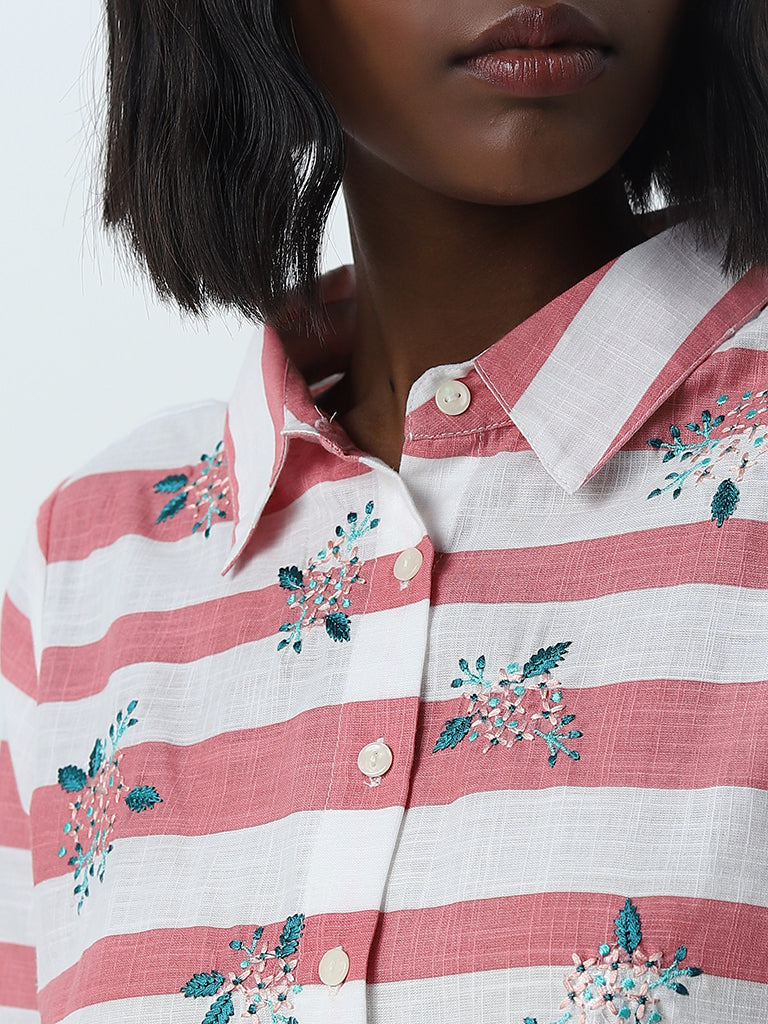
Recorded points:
(438, 280)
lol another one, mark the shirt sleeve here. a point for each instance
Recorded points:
(20, 646)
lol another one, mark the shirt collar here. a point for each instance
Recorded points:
(578, 378)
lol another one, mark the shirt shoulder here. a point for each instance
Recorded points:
(127, 488)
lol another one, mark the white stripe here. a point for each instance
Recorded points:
(171, 438)
(614, 639)
(488, 997)
(482, 846)
(259, 874)
(613, 502)
(19, 728)
(162, 576)
(697, 631)
(13, 1015)
(253, 437)
(247, 687)
(639, 842)
(753, 336)
(16, 897)
(482, 997)
(636, 318)
(26, 588)
(315, 1004)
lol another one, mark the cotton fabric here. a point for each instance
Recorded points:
(196, 647)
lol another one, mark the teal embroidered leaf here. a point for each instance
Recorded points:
(220, 1011)
(175, 505)
(141, 798)
(628, 931)
(205, 984)
(546, 658)
(291, 933)
(725, 501)
(337, 626)
(291, 578)
(171, 484)
(96, 759)
(454, 732)
(72, 779)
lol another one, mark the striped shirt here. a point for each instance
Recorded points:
(294, 737)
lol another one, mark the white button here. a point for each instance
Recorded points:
(334, 967)
(453, 397)
(407, 564)
(375, 759)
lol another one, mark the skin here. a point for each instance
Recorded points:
(469, 208)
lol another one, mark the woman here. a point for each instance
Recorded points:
(436, 684)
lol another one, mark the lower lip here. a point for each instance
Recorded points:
(547, 72)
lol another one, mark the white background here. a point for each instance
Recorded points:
(88, 350)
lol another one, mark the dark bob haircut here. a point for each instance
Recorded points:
(222, 156)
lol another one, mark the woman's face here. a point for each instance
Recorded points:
(389, 69)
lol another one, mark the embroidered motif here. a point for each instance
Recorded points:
(321, 591)
(740, 432)
(207, 496)
(265, 995)
(93, 813)
(622, 979)
(496, 711)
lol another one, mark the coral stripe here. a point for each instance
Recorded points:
(229, 448)
(18, 976)
(724, 939)
(17, 651)
(713, 329)
(184, 635)
(734, 371)
(16, 831)
(582, 570)
(97, 510)
(514, 361)
(94, 511)
(44, 516)
(669, 556)
(313, 466)
(617, 749)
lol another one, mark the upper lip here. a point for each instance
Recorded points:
(533, 26)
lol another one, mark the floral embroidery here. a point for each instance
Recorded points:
(622, 978)
(264, 979)
(321, 591)
(740, 432)
(207, 496)
(497, 712)
(93, 813)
